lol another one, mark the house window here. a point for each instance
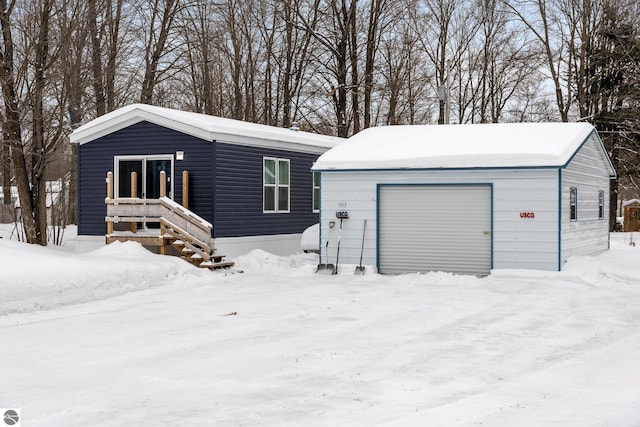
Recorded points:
(316, 192)
(573, 203)
(147, 169)
(275, 185)
(601, 204)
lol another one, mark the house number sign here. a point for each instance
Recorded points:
(527, 215)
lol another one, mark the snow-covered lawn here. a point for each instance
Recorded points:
(123, 337)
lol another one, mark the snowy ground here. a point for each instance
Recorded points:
(123, 337)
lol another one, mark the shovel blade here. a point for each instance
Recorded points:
(359, 270)
(325, 269)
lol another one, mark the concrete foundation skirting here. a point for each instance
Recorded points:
(281, 244)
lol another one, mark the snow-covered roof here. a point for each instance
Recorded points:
(209, 128)
(459, 146)
(630, 202)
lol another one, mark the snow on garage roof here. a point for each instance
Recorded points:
(209, 128)
(459, 146)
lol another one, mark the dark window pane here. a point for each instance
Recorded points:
(269, 171)
(283, 198)
(573, 203)
(154, 167)
(125, 167)
(283, 172)
(316, 199)
(269, 198)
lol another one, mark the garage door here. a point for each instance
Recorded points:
(434, 228)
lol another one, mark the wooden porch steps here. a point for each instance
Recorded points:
(215, 262)
(180, 228)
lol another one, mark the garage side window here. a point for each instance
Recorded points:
(601, 204)
(573, 203)
(316, 192)
(275, 185)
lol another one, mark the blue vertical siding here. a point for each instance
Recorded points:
(238, 192)
(96, 158)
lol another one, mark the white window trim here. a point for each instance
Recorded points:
(571, 204)
(601, 204)
(276, 186)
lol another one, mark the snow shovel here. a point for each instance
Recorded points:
(335, 270)
(360, 268)
(326, 268)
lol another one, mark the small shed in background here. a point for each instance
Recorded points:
(631, 212)
(466, 198)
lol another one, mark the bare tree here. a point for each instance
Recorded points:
(404, 78)
(377, 24)
(557, 36)
(35, 130)
(202, 36)
(448, 30)
(296, 52)
(11, 127)
(613, 95)
(332, 33)
(160, 26)
(500, 59)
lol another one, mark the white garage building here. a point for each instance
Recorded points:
(465, 198)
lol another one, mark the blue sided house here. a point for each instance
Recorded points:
(249, 186)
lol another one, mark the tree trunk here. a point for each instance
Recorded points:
(353, 53)
(39, 149)
(375, 11)
(96, 60)
(12, 125)
(110, 70)
(155, 47)
(6, 165)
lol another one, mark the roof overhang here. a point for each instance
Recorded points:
(205, 127)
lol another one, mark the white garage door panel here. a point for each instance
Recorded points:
(435, 228)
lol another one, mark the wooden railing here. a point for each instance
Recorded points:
(183, 225)
(178, 226)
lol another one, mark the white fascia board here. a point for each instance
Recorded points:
(206, 128)
(82, 136)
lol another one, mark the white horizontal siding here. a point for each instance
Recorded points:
(588, 173)
(358, 197)
(517, 242)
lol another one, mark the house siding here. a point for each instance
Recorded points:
(517, 242)
(96, 158)
(588, 173)
(238, 192)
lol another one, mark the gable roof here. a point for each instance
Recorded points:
(203, 126)
(503, 145)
